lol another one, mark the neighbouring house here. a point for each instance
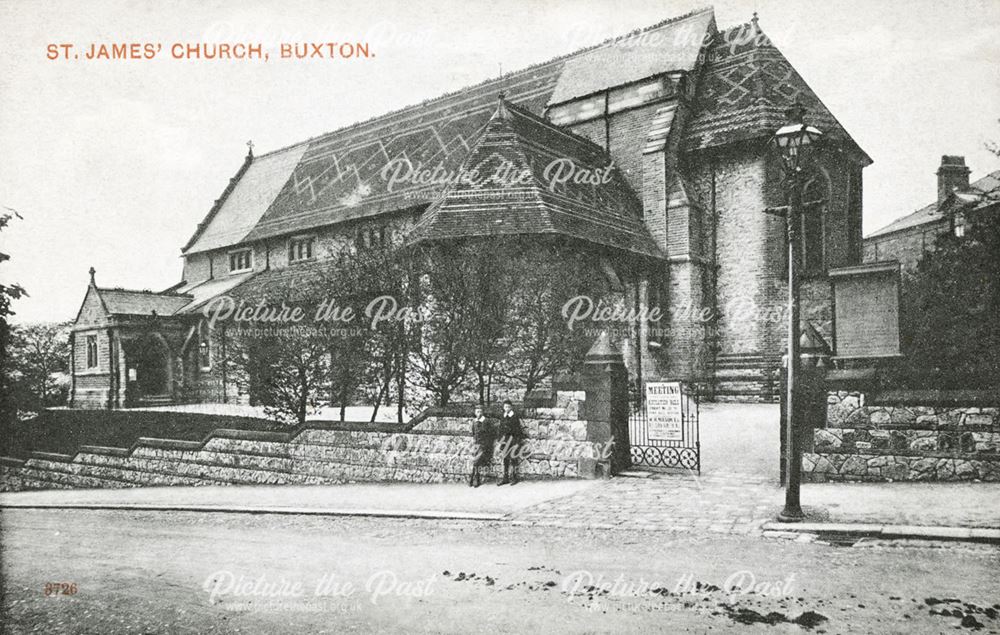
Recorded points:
(676, 117)
(958, 204)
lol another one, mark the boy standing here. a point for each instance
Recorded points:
(511, 437)
(483, 439)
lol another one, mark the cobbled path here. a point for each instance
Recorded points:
(719, 503)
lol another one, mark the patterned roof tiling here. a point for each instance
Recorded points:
(344, 175)
(985, 191)
(533, 200)
(745, 88)
(128, 302)
(674, 45)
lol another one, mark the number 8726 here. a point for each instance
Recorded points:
(59, 588)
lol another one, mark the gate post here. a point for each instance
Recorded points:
(605, 408)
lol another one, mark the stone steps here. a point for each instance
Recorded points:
(747, 378)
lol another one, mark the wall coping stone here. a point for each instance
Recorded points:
(956, 398)
(103, 449)
(170, 444)
(249, 435)
(935, 454)
(52, 456)
(940, 427)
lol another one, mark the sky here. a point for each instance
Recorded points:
(113, 163)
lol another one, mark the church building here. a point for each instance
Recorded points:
(672, 121)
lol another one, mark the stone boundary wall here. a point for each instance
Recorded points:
(898, 440)
(433, 448)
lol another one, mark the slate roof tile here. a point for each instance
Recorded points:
(745, 88)
(131, 302)
(514, 142)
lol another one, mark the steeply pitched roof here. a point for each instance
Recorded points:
(539, 192)
(346, 174)
(339, 176)
(673, 45)
(130, 302)
(245, 200)
(985, 191)
(746, 86)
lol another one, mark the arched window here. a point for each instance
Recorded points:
(812, 233)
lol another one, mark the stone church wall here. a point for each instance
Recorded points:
(92, 384)
(437, 448)
(897, 439)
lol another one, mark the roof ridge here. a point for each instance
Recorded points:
(169, 294)
(933, 206)
(210, 216)
(486, 82)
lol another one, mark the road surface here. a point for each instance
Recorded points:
(189, 572)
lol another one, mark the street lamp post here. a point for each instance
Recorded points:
(793, 141)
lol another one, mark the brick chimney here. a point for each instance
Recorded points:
(951, 175)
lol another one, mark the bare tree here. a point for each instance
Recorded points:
(440, 363)
(539, 341)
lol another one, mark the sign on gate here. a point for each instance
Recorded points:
(663, 411)
(663, 426)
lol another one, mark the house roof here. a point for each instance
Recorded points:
(131, 302)
(549, 199)
(985, 191)
(745, 89)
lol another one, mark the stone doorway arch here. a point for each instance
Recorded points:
(149, 369)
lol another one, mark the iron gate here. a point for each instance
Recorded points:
(673, 441)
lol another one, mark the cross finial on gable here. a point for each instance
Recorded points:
(92, 272)
(250, 149)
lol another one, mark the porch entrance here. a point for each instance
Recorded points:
(148, 370)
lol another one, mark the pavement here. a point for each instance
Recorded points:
(722, 504)
(736, 493)
(444, 500)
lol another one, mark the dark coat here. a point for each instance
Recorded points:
(483, 436)
(510, 426)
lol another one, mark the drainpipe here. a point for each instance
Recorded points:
(72, 369)
(113, 369)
